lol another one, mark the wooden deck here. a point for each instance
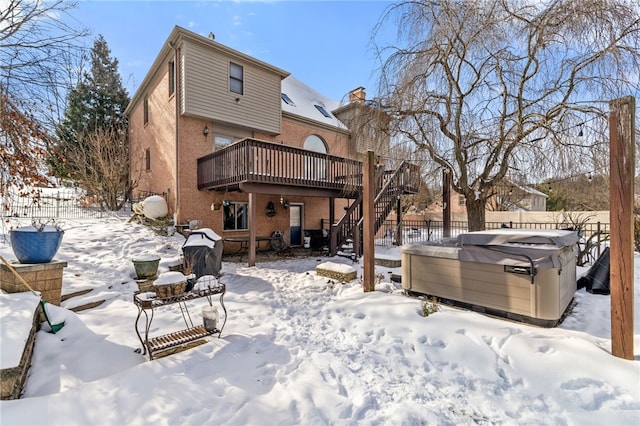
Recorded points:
(257, 166)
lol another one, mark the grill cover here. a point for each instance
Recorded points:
(203, 252)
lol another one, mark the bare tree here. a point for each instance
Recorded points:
(485, 87)
(102, 160)
(40, 57)
(22, 149)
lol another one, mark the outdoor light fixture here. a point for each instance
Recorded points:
(284, 203)
(270, 210)
(205, 131)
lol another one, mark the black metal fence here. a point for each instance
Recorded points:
(593, 236)
(58, 204)
(415, 231)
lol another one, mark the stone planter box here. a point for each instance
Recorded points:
(45, 278)
(337, 271)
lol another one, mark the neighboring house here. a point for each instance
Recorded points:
(512, 197)
(508, 197)
(247, 149)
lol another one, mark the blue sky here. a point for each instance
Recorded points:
(325, 44)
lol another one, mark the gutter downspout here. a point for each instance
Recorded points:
(177, 98)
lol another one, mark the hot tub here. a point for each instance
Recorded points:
(522, 274)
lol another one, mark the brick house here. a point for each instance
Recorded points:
(248, 149)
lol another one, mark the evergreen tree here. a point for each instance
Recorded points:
(97, 103)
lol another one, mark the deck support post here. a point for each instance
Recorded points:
(252, 229)
(368, 229)
(622, 167)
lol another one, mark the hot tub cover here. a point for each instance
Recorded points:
(540, 248)
(556, 238)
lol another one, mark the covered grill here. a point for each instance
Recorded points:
(527, 275)
(202, 253)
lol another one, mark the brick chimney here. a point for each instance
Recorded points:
(357, 95)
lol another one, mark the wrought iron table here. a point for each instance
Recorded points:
(147, 303)
(275, 242)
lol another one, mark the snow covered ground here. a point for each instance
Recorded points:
(300, 349)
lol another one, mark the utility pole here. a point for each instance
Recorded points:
(622, 146)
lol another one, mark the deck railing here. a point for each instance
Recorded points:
(251, 160)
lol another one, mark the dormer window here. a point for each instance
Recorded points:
(322, 111)
(287, 99)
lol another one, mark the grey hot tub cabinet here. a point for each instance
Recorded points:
(525, 275)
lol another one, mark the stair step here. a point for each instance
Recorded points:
(86, 306)
(75, 294)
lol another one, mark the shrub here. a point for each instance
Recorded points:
(429, 306)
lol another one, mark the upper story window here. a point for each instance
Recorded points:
(315, 143)
(322, 111)
(172, 78)
(146, 109)
(236, 78)
(147, 159)
(287, 99)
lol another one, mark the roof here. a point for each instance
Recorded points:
(305, 99)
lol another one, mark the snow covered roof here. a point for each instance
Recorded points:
(300, 99)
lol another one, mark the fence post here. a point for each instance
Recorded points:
(599, 238)
(446, 198)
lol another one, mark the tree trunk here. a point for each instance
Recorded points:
(475, 213)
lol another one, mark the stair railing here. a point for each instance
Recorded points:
(389, 186)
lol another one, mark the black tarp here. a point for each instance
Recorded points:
(596, 280)
(202, 252)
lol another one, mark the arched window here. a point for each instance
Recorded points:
(316, 144)
(315, 168)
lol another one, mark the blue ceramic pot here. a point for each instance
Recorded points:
(31, 245)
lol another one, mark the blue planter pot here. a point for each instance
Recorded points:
(33, 246)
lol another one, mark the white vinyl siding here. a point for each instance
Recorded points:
(207, 94)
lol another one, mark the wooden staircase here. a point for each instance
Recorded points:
(346, 234)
